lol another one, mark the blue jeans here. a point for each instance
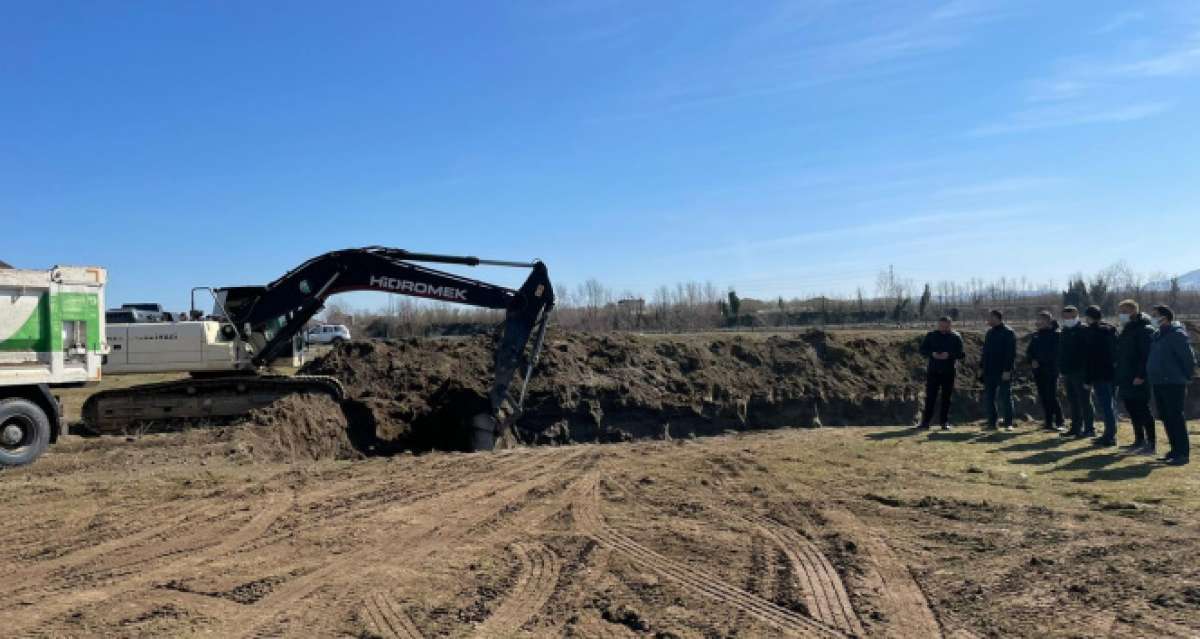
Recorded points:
(1003, 389)
(1106, 403)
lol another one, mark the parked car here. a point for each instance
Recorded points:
(328, 334)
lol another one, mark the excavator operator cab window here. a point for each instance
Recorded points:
(304, 287)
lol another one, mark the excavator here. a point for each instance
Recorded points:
(229, 352)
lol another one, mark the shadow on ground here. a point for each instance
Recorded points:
(1136, 471)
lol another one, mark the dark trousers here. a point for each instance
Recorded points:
(1047, 388)
(1083, 415)
(998, 390)
(938, 384)
(1170, 398)
(1137, 404)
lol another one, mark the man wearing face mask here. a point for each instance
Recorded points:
(1170, 367)
(1133, 350)
(1071, 359)
(1042, 355)
(1100, 368)
(999, 358)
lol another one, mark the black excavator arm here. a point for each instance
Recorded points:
(268, 317)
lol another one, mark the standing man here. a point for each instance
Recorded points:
(1071, 361)
(1170, 367)
(1042, 355)
(996, 369)
(1133, 350)
(1100, 369)
(943, 348)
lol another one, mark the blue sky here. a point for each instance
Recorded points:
(779, 148)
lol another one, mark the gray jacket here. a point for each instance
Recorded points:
(1172, 360)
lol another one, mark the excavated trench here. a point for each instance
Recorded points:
(421, 394)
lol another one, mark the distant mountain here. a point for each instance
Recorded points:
(1190, 279)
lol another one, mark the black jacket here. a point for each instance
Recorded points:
(1072, 354)
(999, 352)
(939, 342)
(1133, 349)
(1043, 348)
(1100, 347)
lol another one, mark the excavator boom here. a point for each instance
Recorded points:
(267, 318)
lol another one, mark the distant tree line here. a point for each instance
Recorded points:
(702, 305)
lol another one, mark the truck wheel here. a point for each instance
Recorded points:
(24, 431)
(336, 341)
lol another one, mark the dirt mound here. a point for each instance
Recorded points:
(295, 428)
(421, 394)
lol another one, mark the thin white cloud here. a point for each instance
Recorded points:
(1181, 61)
(1119, 21)
(886, 227)
(997, 187)
(1072, 115)
(1058, 90)
(1102, 90)
(769, 64)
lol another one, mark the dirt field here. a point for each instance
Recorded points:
(806, 533)
(279, 526)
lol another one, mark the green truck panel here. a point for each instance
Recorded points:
(42, 331)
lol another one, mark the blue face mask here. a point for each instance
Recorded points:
(1071, 323)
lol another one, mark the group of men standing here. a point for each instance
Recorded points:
(1145, 359)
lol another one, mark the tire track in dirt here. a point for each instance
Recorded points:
(536, 580)
(31, 540)
(825, 594)
(520, 517)
(60, 603)
(901, 599)
(386, 618)
(404, 543)
(26, 577)
(591, 522)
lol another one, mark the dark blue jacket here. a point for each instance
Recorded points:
(999, 352)
(1043, 348)
(938, 342)
(1172, 360)
(1100, 361)
(1072, 353)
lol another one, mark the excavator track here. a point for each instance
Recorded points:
(169, 406)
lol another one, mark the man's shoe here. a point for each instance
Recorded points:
(1008, 428)
(1168, 457)
(1178, 461)
(1101, 442)
(1146, 451)
(1051, 427)
(1071, 432)
(1133, 448)
(946, 426)
(1087, 432)
(991, 427)
(922, 426)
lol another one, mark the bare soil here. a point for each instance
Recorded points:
(876, 532)
(278, 526)
(420, 394)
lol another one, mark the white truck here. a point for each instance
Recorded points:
(51, 335)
